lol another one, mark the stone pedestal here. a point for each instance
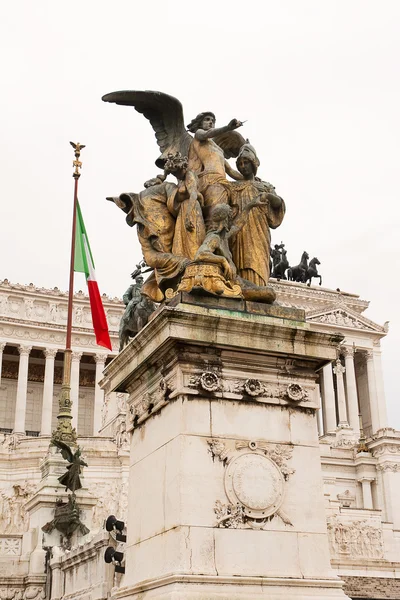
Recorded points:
(225, 487)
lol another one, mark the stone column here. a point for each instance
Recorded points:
(339, 369)
(47, 403)
(367, 494)
(380, 390)
(319, 411)
(75, 364)
(373, 397)
(351, 388)
(2, 346)
(20, 405)
(98, 392)
(329, 399)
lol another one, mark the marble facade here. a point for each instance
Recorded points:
(360, 489)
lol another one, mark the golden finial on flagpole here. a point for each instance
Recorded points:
(77, 163)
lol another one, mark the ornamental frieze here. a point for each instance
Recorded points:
(254, 482)
(211, 382)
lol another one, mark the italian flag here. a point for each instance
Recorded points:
(83, 263)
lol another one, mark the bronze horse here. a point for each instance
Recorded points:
(312, 271)
(298, 273)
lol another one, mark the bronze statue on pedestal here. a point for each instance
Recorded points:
(177, 222)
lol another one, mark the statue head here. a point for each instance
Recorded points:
(204, 120)
(247, 160)
(139, 279)
(220, 217)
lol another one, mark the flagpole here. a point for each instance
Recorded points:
(65, 432)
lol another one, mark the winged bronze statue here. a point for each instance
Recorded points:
(71, 479)
(173, 219)
(165, 114)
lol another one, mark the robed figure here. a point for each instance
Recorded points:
(251, 246)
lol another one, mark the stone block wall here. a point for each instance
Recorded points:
(374, 588)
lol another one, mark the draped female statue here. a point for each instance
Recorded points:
(251, 246)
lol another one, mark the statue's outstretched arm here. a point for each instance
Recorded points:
(203, 135)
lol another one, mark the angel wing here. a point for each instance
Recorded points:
(165, 114)
(230, 142)
(66, 451)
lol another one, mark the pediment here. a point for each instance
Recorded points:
(340, 316)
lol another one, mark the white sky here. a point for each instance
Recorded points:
(318, 81)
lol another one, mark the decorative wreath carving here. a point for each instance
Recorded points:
(254, 482)
(296, 392)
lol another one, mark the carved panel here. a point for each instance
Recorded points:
(13, 517)
(112, 500)
(254, 482)
(10, 546)
(355, 539)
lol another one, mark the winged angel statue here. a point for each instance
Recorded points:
(204, 232)
(71, 479)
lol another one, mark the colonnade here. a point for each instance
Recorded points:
(340, 401)
(48, 389)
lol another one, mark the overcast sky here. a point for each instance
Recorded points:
(317, 80)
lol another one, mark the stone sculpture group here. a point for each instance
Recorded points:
(203, 232)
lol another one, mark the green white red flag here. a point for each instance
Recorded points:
(83, 263)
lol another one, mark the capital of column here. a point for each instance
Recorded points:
(76, 356)
(24, 350)
(50, 352)
(362, 478)
(348, 351)
(339, 369)
(2, 346)
(100, 359)
(369, 355)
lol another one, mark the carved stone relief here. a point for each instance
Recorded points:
(10, 546)
(211, 381)
(386, 449)
(389, 466)
(10, 442)
(13, 517)
(121, 436)
(355, 539)
(254, 482)
(150, 402)
(344, 443)
(347, 499)
(7, 593)
(112, 500)
(104, 409)
(341, 317)
(34, 593)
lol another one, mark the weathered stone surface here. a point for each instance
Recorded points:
(372, 587)
(224, 451)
